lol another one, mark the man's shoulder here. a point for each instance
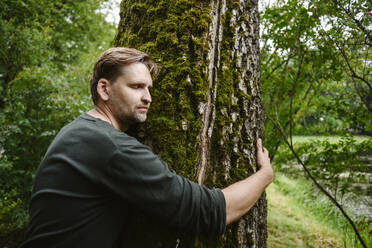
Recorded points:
(82, 126)
(94, 131)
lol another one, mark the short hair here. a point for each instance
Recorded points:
(111, 62)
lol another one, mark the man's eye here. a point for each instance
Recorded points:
(136, 86)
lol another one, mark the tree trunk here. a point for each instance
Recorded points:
(207, 108)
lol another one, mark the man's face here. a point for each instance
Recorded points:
(130, 95)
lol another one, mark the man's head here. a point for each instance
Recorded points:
(120, 83)
(110, 66)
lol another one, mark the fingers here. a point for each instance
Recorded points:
(260, 148)
(259, 145)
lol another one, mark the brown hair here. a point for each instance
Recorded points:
(110, 63)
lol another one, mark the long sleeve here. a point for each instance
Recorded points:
(142, 179)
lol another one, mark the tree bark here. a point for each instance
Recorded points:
(207, 111)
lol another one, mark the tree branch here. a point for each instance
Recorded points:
(356, 21)
(279, 65)
(353, 73)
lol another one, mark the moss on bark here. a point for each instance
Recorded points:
(179, 36)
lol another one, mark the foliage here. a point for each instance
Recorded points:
(34, 31)
(38, 105)
(336, 164)
(336, 110)
(310, 50)
(48, 48)
(339, 165)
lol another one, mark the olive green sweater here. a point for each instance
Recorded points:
(91, 178)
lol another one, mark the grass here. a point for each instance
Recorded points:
(299, 217)
(331, 139)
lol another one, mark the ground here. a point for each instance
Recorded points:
(292, 225)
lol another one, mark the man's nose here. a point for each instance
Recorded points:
(146, 97)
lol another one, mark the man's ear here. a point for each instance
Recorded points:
(103, 89)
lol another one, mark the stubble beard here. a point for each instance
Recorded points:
(135, 118)
(139, 118)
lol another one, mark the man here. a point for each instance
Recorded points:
(93, 174)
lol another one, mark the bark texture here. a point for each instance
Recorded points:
(207, 108)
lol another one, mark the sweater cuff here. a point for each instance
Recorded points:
(220, 211)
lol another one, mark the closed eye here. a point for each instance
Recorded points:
(140, 86)
(136, 86)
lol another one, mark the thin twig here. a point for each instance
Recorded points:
(279, 65)
(276, 146)
(293, 93)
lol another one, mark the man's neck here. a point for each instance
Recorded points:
(105, 114)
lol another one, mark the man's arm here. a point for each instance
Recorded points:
(242, 195)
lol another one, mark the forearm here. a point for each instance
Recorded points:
(242, 195)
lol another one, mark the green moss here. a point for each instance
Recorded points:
(250, 240)
(174, 34)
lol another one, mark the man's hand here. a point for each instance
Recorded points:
(242, 195)
(263, 160)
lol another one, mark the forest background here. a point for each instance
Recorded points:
(316, 75)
